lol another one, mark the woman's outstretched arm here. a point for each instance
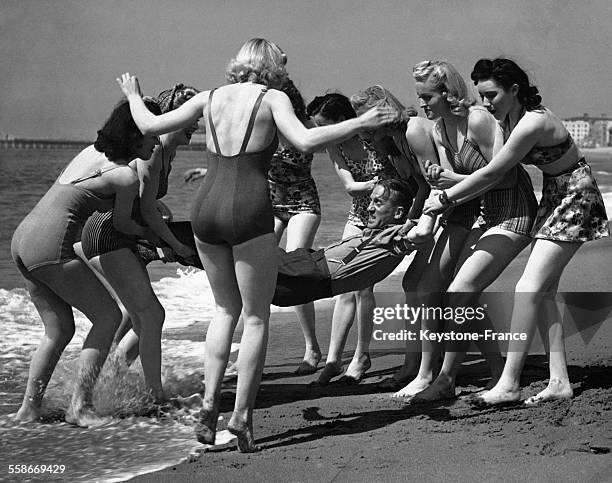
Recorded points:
(149, 123)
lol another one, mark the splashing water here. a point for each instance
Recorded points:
(139, 438)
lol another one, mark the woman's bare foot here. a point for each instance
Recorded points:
(357, 369)
(188, 402)
(438, 391)
(401, 377)
(417, 385)
(496, 397)
(556, 389)
(27, 414)
(85, 417)
(244, 432)
(309, 364)
(331, 370)
(206, 427)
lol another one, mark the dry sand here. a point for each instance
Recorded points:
(359, 433)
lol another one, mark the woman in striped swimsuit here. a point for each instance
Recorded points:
(117, 258)
(479, 242)
(571, 211)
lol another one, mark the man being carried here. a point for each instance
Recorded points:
(356, 262)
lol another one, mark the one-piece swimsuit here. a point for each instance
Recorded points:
(233, 203)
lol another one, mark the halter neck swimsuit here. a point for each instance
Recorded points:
(47, 233)
(233, 203)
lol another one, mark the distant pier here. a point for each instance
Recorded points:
(17, 143)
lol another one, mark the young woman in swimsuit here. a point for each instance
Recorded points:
(99, 178)
(359, 168)
(297, 210)
(232, 214)
(571, 211)
(359, 162)
(480, 239)
(117, 259)
(409, 146)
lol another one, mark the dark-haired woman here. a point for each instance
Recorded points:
(97, 179)
(359, 163)
(571, 212)
(117, 258)
(297, 210)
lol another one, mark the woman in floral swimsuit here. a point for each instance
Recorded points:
(571, 211)
(295, 202)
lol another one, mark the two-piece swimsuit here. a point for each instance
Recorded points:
(99, 234)
(233, 203)
(362, 170)
(292, 187)
(571, 208)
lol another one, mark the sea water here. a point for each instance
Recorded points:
(137, 441)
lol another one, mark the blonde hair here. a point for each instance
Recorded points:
(372, 96)
(259, 61)
(448, 81)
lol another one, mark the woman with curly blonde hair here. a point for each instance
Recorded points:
(479, 238)
(232, 214)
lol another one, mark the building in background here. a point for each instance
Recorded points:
(589, 131)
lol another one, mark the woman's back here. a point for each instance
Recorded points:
(233, 203)
(230, 109)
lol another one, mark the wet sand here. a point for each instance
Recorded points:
(358, 432)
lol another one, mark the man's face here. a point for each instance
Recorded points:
(381, 208)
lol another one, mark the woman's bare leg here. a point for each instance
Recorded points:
(436, 277)
(489, 255)
(559, 386)
(76, 285)
(301, 231)
(256, 270)
(360, 363)
(129, 278)
(410, 282)
(546, 263)
(345, 308)
(218, 261)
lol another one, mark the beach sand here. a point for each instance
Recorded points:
(359, 433)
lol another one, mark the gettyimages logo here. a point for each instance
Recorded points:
(412, 315)
(491, 318)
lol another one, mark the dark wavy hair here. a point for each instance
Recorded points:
(170, 99)
(506, 73)
(402, 190)
(297, 101)
(331, 106)
(119, 136)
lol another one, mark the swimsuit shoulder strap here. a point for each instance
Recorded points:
(210, 123)
(95, 174)
(249, 130)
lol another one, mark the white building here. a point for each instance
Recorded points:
(578, 129)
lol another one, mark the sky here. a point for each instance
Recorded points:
(60, 58)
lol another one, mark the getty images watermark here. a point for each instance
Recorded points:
(411, 315)
(487, 320)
